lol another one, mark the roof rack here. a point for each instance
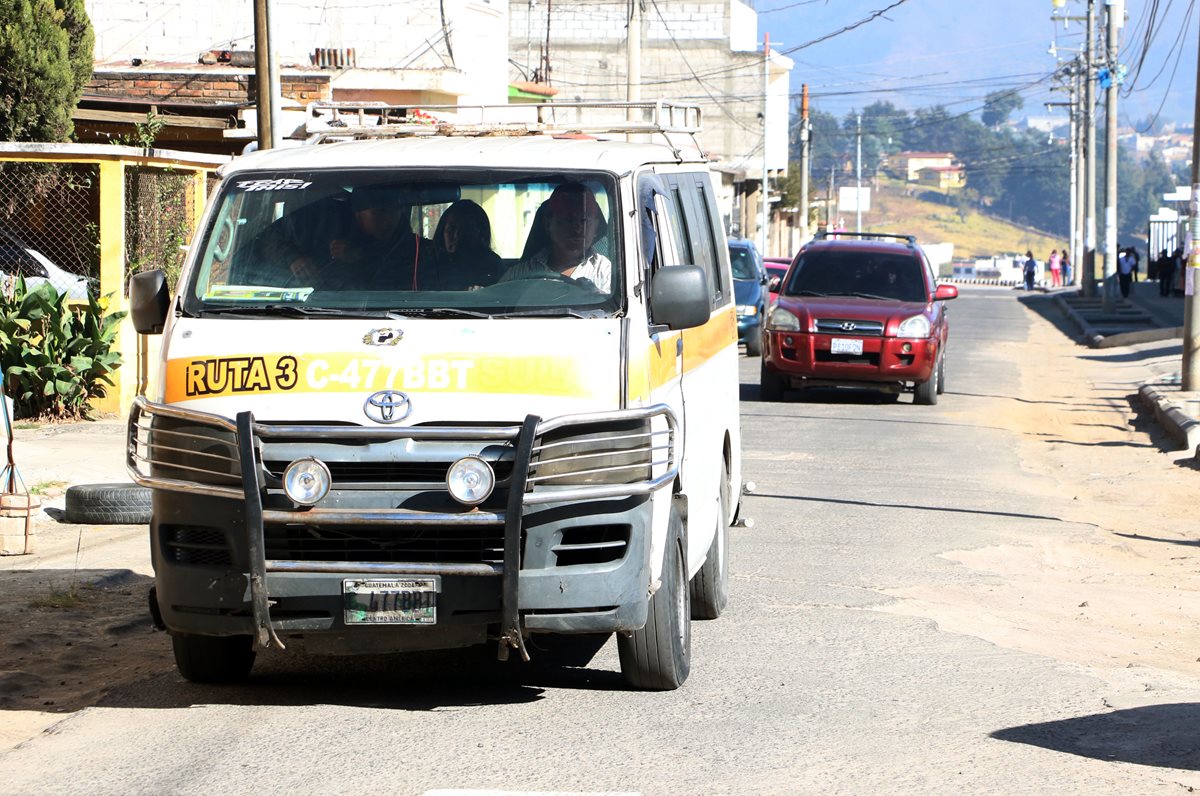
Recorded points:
(339, 121)
(910, 239)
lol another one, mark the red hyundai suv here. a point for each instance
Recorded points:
(862, 310)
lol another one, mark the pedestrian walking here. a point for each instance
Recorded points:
(1066, 268)
(1055, 265)
(1166, 273)
(1125, 266)
(1030, 270)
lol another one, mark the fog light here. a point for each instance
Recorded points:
(906, 348)
(306, 481)
(787, 341)
(470, 480)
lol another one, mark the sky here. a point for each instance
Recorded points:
(954, 52)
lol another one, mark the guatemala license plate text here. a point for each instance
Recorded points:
(390, 601)
(840, 345)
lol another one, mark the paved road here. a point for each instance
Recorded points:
(804, 686)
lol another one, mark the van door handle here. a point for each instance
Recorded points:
(679, 346)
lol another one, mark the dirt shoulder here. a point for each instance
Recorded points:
(1118, 588)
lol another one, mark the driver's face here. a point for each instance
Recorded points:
(572, 231)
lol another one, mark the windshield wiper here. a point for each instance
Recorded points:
(553, 312)
(296, 311)
(872, 296)
(808, 293)
(440, 312)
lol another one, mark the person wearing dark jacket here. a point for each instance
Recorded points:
(1030, 270)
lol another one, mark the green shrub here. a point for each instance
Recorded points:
(55, 357)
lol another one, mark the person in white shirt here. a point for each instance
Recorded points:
(1125, 266)
(572, 223)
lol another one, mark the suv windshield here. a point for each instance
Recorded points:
(411, 242)
(895, 277)
(741, 259)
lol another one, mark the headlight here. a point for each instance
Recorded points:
(470, 480)
(306, 481)
(747, 309)
(781, 320)
(916, 326)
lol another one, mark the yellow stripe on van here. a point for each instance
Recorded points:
(699, 345)
(207, 377)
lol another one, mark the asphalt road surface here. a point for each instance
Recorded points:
(809, 683)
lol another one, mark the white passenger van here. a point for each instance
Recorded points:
(369, 437)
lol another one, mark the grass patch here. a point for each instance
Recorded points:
(44, 488)
(58, 600)
(26, 426)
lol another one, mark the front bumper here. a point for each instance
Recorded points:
(749, 328)
(807, 358)
(234, 555)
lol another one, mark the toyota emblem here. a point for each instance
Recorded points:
(387, 406)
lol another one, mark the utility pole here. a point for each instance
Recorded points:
(829, 203)
(763, 235)
(266, 75)
(1113, 18)
(804, 164)
(858, 175)
(1190, 370)
(1079, 222)
(633, 54)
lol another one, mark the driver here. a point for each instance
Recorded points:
(568, 224)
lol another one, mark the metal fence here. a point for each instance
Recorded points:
(160, 215)
(49, 225)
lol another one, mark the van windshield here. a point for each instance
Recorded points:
(425, 242)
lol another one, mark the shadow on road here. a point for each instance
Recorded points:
(1172, 347)
(1167, 736)
(914, 507)
(1144, 538)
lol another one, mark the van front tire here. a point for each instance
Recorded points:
(710, 586)
(213, 659)
(658, 657)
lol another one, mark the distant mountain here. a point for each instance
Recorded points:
(953, 52)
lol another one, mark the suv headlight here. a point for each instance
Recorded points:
(781, 320)
(747, 309)
(916, 326)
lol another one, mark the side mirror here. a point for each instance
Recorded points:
(679, 297)
(764, 279)
(149, 301)
(945, 292)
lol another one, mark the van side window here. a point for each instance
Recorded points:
(701, 242)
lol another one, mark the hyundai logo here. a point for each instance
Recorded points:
(849, 326)
(387, 406)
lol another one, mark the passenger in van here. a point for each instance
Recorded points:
(381, 252)
(562, 240)
(462, 248)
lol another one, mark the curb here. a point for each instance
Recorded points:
(1183, 429)
(1093, 338)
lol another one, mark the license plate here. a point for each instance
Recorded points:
(390, 601)
(841, 345)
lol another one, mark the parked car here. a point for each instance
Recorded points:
(18, 259)
(861, 311)
(776, 268)
(750, 293)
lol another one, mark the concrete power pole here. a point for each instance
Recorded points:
(764, 236)
(266, 75)
(1089, 169)
(858, 175)
(1113, 19)
(1190, 371)
(804, 164)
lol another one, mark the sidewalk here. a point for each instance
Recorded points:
(1153, 326)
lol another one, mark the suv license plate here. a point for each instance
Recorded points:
(840, 345)
(390, 601)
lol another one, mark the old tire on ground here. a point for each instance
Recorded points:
(710, 586)
(108, 504)
(659, 656)
(926, 393)
(770, 384)
(213, 659)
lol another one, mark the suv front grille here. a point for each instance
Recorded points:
(848, 326)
